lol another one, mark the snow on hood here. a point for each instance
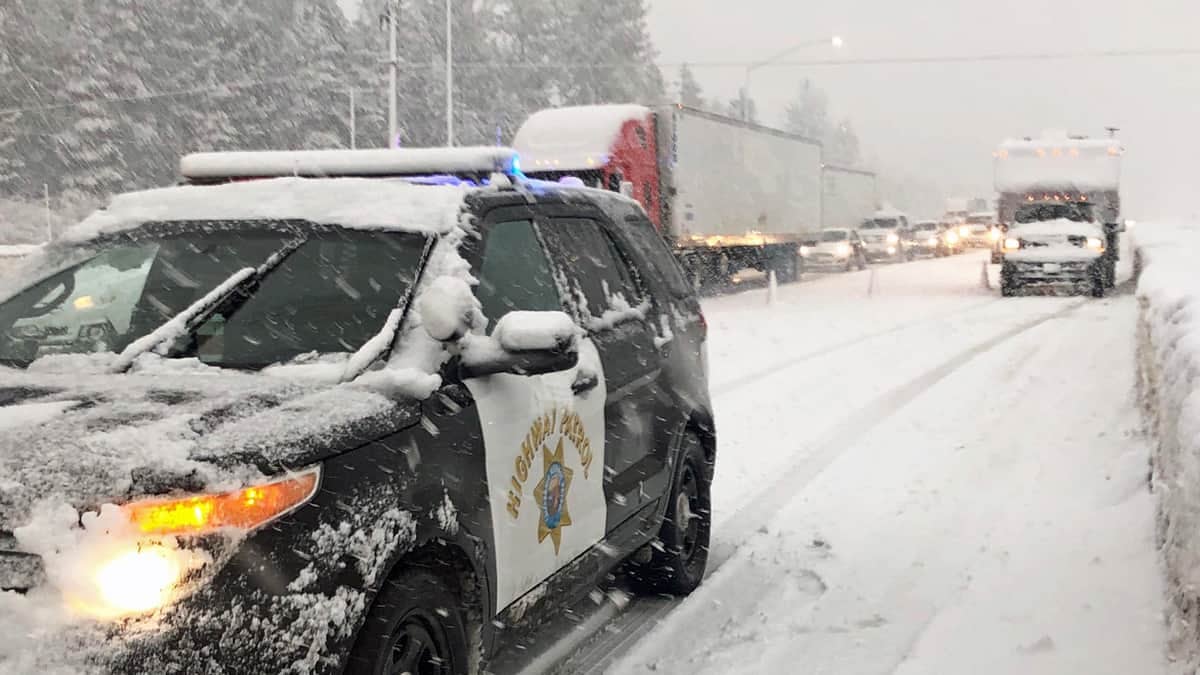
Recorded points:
(358, 203)
(89, 440)
(1054, 229)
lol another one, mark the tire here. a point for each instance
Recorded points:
(418, 625)
(681, 550)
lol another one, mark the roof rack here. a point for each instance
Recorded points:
(215, 167)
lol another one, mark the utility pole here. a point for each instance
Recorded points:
(353, 122)
(449, 74)
(394, 66)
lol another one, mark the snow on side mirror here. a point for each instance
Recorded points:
(523, 343)
(536, 331)
(447, 309)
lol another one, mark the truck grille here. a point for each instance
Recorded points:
(19, 571)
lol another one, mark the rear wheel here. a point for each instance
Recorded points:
(681, 551)
(417, 625)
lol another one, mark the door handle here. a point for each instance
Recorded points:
(584, 382)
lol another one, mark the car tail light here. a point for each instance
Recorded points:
(245, 509)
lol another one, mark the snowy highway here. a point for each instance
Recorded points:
(914, 476)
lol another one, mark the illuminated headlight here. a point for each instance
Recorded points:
(893, 238)
(843, 250)
(932, 241)
(951, 238)
(994, 234)
(891, 250)
(1095, 244)
(964, 231)
(804, 251)
(136, 581)
(1011, 244)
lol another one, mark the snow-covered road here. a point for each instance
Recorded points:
(921, 479)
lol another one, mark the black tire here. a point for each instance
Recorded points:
(681, 551)
(417, 625)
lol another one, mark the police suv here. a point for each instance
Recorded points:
(365, 411)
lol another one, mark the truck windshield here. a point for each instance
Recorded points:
(880, 224)
(834, 235)
(1034, 213)
(332, 293)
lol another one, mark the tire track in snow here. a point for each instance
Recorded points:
(609, 643)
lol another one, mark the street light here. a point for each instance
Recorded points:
(836, 42)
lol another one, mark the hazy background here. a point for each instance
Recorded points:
(939, 122)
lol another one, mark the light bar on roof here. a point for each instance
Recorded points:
(349, 163)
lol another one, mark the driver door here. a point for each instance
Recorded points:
(543, 435)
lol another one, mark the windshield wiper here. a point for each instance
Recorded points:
(227, 297)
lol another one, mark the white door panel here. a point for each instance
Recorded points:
(545, 471)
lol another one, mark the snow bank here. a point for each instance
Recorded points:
(1169, 392)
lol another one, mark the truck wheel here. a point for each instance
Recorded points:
(681, 551)
(417, 625)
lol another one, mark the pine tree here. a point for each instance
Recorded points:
(690, 92)
(808, 115)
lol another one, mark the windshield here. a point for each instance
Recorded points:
(1033, 213)
(980, 220)
(330, 294)
(880, 224)
(834, 235)
(926, 227)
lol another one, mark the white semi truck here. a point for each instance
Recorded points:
(1060, 211)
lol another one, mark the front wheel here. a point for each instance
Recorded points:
(681, 552)
(417, 625)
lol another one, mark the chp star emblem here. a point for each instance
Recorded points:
(551, 496)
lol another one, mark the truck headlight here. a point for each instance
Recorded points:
(893, 238)
(843, 250)
(1095, 244)
(1011, 244)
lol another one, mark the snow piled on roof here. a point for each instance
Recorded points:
(357, 203)
(318, 163)
(1056, 161)
(18, 250)
(561, 139)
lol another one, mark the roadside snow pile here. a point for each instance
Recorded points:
(1169, 391)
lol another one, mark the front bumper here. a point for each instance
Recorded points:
(1022, 273)
(822, 260)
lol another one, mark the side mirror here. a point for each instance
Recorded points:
(523, 343)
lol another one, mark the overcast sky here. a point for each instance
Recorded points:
(941, 121)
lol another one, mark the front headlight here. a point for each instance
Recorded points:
(964, 231)
(1095, 244)
(932, 241)
(951, 238)
(843, 250)
(804, 251)
(1011, 244)
(994, 233)
(893, 238)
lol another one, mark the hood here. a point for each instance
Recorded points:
(1054, 231)
(92, 439)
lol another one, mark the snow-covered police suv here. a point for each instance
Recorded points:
(381, 414)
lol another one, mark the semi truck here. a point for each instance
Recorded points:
(727, 195)
(1059, 211)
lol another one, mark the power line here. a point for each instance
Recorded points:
(819, 63)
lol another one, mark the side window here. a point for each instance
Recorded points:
(514, 273)
(597, 277)
(652, 249)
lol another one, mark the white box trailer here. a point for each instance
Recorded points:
(850, 196)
